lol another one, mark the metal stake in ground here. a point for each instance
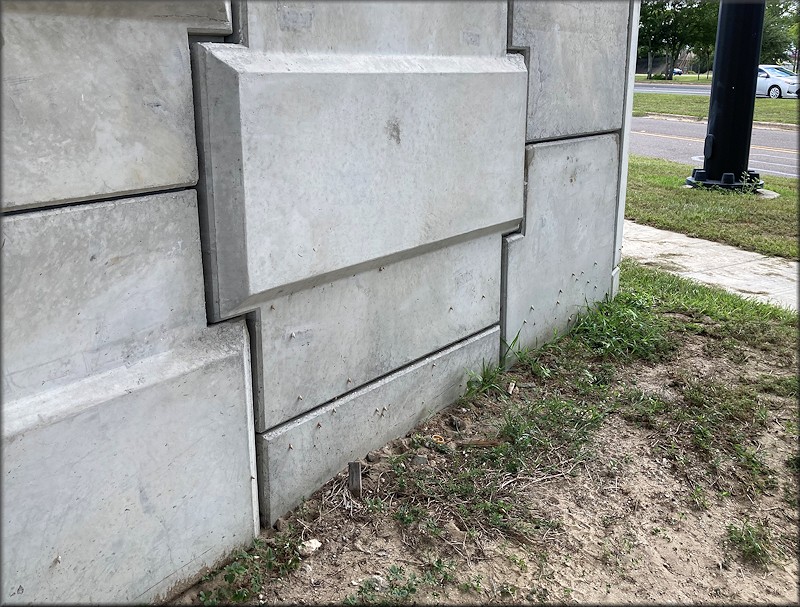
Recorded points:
(733, 94)
(354, 478)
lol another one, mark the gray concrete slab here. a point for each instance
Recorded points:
(318, 343)
(315, 164)
(768, 279)
(380, 28)
(564, 261)
(625, 135)
(297, 458)
(126, 125)
(577, 75)
(137, 479)
(86, 288)
(210, 17)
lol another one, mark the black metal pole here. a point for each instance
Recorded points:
(733, 93)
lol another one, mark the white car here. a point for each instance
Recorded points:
(776, 82)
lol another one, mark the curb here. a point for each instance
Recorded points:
(781, 126)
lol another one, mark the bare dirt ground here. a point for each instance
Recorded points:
(635, 516)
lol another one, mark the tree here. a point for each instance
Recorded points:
(776, 40)
(651, 30)
(794, 32)
(670, 26)
(703, 35)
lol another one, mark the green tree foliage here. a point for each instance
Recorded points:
(651, 25)
(703, 34)
(670, 26)
(794, 33)
(777, 41)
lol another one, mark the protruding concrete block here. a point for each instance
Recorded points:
(90, 287)
(140, 477)
(577, 65)
(97, 98)
(380, 28)
(564, 261)
(315, 164)
(345, 333)
(295, 459)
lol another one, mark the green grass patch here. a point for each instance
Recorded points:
(676, 79)
(780, 386)
(766, 110)
(715, 312)
(655, 197)
(625, 329)
(753, 541)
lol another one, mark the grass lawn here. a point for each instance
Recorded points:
(682, 79)
(661, 430)
(655, 197)
(766, 110)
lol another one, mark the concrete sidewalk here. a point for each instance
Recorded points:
(768, 279)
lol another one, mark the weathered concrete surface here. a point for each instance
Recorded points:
(577, 66)
(86, 288)
(381, 28)
(565, 259)
(134, 480)
(625, 133)
(212, 17)
(319, 343)
(314, 164)
(295, 459)
(125, 124)
(768, 279)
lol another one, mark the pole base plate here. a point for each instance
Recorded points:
(750, 180)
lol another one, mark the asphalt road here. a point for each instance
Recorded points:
(772, 151)
(673, 89)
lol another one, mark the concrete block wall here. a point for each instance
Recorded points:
(245, 244)
(580, 92)
(355, 207)
(128, 440)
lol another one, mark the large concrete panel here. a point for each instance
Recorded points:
(86, 288)
(146, 477)
(564, 261)
(97, 98)
(347, 332)
(624, 145)
(314, 164)
(578, 54)
(295, 459)
(411, 28)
